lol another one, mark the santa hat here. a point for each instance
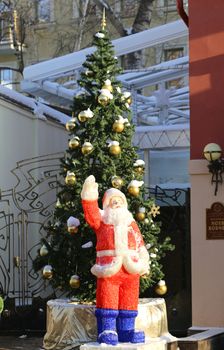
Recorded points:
(113, 192)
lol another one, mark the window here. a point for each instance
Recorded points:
(5, 27)
(6, 78)
(45, 10)
(172, 54)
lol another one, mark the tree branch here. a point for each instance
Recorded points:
(144, 16)
(10, 68)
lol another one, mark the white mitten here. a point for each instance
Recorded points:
(90, 189)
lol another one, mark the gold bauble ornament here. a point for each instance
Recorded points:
(115, 150)
(127, 97)
(43, 250)
(71, 124)
(129, 100)
(161, 288)
(70, 179)
(139, 170)
(82, 117)
(118, 126)
(47, 272)
(72, 229)
(74, 281)
(103, 99)
(108, 87)
(134, 191)
(117, 182)
(87, 148)
(74, 143)
(140, 215)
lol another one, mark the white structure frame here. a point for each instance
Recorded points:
(161, 118)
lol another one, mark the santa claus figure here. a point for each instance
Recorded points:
(121, 258)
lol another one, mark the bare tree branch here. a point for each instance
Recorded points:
(144, 16)
(81, 25)
(10, 68)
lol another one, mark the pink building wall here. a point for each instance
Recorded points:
(206, 40)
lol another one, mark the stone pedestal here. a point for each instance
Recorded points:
(71, 324)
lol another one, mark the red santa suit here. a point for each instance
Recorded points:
(121, 257)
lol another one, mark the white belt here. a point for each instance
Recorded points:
(101, 253)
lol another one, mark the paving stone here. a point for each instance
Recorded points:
(22, 342)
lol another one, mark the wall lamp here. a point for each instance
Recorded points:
(213, 152)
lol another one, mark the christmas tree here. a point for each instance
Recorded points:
(100, 144)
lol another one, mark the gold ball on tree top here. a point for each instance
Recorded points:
(134, 187)
(117, 182)
(118, 126)
(71, 124)
(72, 230)
(47, 272)
(74, 142)
(161, 288)
(87, 148)
(107, 85)
(74, 281)
(83, 116)
(114, 148)
(139, 166)
(103, 99)
(70, 178)
(134, 191)
(140, 215)
(127, 97)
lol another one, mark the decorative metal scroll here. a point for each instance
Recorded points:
(24, 210)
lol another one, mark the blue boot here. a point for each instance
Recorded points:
(126, 327)
(106, 326)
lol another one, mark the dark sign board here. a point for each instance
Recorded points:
(215, 221)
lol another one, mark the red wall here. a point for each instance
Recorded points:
(206, 35)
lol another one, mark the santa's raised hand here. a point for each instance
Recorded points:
(90, 189)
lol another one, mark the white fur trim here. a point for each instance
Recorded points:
(111, 252)
(89, 195)
(107, 270)
(121, 239)
(126, 259)
(139, 266)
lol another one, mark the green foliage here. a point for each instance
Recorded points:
(66, 253)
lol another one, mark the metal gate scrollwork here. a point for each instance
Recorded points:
(24, 209)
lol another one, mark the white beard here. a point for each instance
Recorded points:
(120, 218)
(117, 217)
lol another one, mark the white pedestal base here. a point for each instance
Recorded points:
(150, 344)
(70, 324)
